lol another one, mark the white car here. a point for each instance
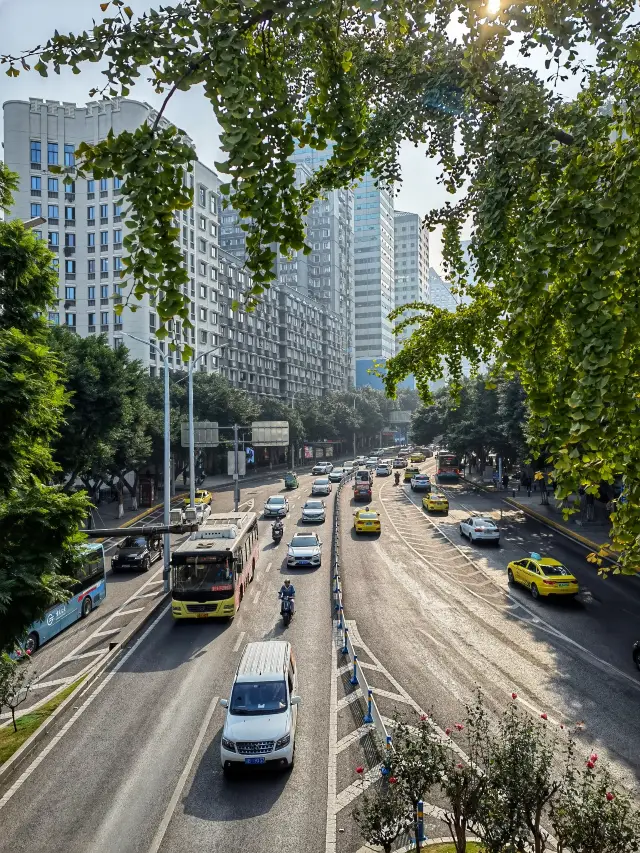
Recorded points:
(420, 483)
(314, 510)
(321, 486)
(305, 549)
(337, 474)
(276, 506)
(322, 468)
(262, 711)
(351, 465)
(360, 460)
(371, 463)
(480, 529)
(383, 471)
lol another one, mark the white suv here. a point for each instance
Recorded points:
(322, 468)
(262, 711)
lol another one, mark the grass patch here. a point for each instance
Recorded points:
(10, 741)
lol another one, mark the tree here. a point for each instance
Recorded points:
(547, 183)
(15, 681)
(39, 523)
(384, 816)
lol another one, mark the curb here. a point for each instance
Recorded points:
(124, 637)
(543, 519)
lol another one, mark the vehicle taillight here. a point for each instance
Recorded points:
(478, 529)
(549, 583)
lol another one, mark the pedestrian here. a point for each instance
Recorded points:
(505, 481)
(184, 476)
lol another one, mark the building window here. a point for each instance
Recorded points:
(70, 320)
(70, 213)
(117, 264)
(117, 209)
(91, 266)
(69, 186)
(202, 223)
(54, 238)
(91, 290)
(202, 197)
(202, 268)
(117, 235)
(91, 238)
(104, 264)
(36, 209)
(213, 206)
(53, 211)
(55, 264)
(52, 185)
(104, 318)
(104, 291)
(91, 186)
(54, 317)
(104, 238)
(69, 267)
(91, 212)
(69, 155)
(36, 151)
(70, 240)
(36, 183)
(104, 185)
(203, 314)
(117, 183)
(70, 293)
(91, 317)
(104, 211)
(52, 153)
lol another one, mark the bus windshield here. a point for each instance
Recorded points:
(203, 574)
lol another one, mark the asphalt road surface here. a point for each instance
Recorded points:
(443, 624)
(138, 768)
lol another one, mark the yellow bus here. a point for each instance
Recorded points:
(213, 568)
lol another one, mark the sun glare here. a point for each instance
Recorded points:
(493, 7)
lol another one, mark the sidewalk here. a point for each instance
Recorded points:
(592, 534)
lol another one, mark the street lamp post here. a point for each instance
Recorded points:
(167, 458)
(192, 447)
(293, 464)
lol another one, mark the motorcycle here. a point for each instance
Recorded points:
(277, 531)
(396, 478)
(286, 609)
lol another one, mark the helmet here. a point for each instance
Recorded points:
(287, 581)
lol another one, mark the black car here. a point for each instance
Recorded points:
(137, 553)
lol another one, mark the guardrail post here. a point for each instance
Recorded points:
(345, 648)
(420, 823)
(368, 717)
(354, 677)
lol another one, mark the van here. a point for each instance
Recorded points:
(262, 710)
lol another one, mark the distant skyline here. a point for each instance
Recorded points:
(419, 193)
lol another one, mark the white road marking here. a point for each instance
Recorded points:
(257, 598)
(159, 836)
(332, 758)
(107, 633)
(352, 697)
(90, 654)
(54, 741)
(268, 569)
(358, 787)
(55, 683)
(129, 612)
(241, 637)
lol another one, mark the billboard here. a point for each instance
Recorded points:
(205, 434)
(399, 417)
(270, 433)
(308, 452)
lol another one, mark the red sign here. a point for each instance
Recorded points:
(225, 587)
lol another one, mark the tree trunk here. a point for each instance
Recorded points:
(13, 718)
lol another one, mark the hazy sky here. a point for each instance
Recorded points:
(419, 192)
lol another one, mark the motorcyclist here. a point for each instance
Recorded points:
(277, 529)
(287, 590)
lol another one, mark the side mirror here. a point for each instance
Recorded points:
(296, 700)
(224, 703)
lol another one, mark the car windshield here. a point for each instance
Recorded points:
(313, 505)
(486, 521)
(368, 516)
(276, 501)
(554, 570)
(134, 542)
(321, 482)
(304, 542)
(263, 697)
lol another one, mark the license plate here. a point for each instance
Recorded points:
(304, 563)
(368, 524)
(256, 760)
(563, 584)
(202, 615)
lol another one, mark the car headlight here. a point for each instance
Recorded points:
(229, 745)
(138, 556)
(282, 742)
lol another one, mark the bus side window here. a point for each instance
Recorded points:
(239, 563)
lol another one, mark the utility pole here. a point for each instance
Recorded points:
(354, 432)
(236, 476)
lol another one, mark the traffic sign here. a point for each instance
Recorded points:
(205, 434)
(270, 433)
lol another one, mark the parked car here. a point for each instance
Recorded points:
(137, 553)
(305, 549)
(314, 510)
(480, 528)
(275, 506)
(322, 468)
(337, 475)
(321, 486)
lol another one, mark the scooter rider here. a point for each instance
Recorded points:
(287, 590)
(277, 529)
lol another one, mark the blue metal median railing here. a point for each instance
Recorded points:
(358, 677)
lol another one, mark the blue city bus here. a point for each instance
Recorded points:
(89, 591)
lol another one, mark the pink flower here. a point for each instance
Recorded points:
(29, 652)
(514, 695)
(392, 780)
(423, 718)
(447, 732)
(590, 765)
(459, 765)
(610, 796)
(593, 757)
(544, 715)
(359, 769)
(459, 726)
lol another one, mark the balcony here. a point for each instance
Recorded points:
(69, 250)
(69, 223)
(69, 276)
(91, 250)
(36, 192)
(104, 275)
(117, 327)
(91, 222)
(104, 328)
(91, 276)
(117, 217)
(117, 247)
(91, 302)
(104, 220)
(91, 195)
(69, 196)
(104, 248)
(53, 221)
(53, 248)
(104, 300)
(104, 193)
(91, 329)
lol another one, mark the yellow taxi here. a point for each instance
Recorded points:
(417, 457)
(366, 520)
(202, 497)
(409, 473)
(543, 576)
(435, 502)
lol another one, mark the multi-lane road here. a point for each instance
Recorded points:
(136, 767)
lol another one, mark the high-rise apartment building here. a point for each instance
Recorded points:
(411, 261)
(440, 292)
(265, 352)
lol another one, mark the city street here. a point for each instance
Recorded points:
(443, 624)
(139, 768)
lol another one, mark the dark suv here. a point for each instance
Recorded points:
(137, 553)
